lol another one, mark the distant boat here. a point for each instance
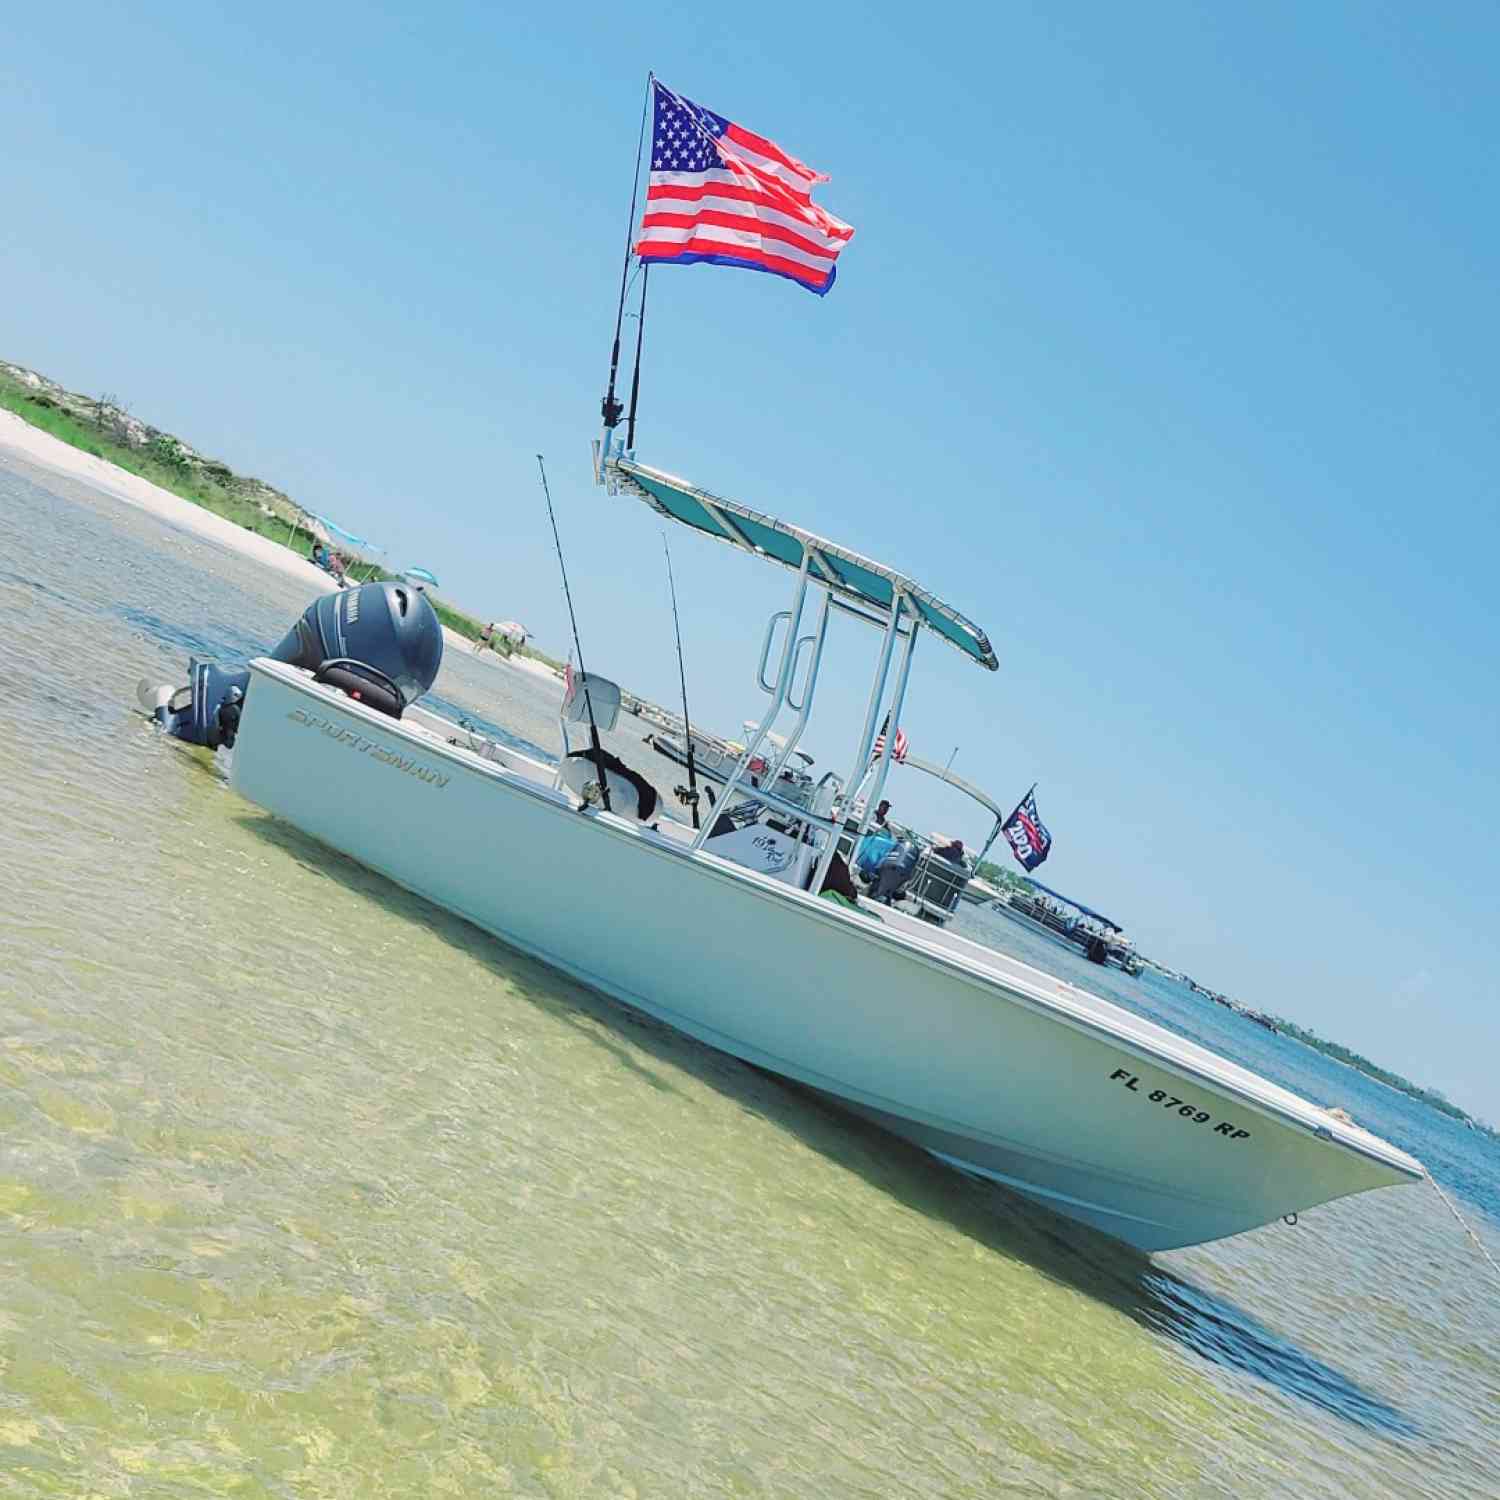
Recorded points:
(715, 759)
(1260, 1019)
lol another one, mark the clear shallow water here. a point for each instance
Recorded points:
(309, 1189)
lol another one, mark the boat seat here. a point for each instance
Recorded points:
(630, 794)
(365, 684)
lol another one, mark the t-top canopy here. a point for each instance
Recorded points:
(843, 572)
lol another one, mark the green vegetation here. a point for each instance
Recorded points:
(1340, 1053)
(104, 428)
(999, 876)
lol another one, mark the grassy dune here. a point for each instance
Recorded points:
(104, 429)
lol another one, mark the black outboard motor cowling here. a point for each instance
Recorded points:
(391, 627)
(381, 643)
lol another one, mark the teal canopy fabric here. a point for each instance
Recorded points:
(844, 572)
(348, 536)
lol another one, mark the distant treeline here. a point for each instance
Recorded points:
(1340, 1053)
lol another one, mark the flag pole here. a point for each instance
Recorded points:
(635, 379)
(610, 408)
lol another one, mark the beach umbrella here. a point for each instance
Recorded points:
(346, 536)
(421, 577)
(514, 631)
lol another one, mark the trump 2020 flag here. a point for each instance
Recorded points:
(721, 195)
(1026, 834)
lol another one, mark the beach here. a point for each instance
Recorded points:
(57, 457)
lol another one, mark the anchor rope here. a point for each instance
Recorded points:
(1464, 1225)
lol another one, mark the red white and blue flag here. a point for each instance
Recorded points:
(722, 195)
(898, 750)
(1026, 833)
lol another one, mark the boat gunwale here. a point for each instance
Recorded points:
(1134, 1035)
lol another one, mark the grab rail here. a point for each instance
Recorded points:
(765, 650)
(777, 691)
(797, 705)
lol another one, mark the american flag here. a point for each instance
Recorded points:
(898, 750)
(723, 195)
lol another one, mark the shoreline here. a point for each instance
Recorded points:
(43, 451)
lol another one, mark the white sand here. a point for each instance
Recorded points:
(47, 452)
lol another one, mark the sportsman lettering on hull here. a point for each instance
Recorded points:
(373, 748)
(1180, 1109)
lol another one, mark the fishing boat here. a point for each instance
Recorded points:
(715, 759)
(737, 934)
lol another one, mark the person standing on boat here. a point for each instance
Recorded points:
(882, 810)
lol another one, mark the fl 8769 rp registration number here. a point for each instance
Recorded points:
(1179, 1108)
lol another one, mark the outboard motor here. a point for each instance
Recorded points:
(381, 643)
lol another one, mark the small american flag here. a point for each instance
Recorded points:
(898, 750)
(722, 195)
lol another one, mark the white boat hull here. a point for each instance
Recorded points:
(991, 1065)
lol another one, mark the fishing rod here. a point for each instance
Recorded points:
(635, 379)
(610, 408)
(588, 701)
(687, 727)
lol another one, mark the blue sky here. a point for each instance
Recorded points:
(1164, 349)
